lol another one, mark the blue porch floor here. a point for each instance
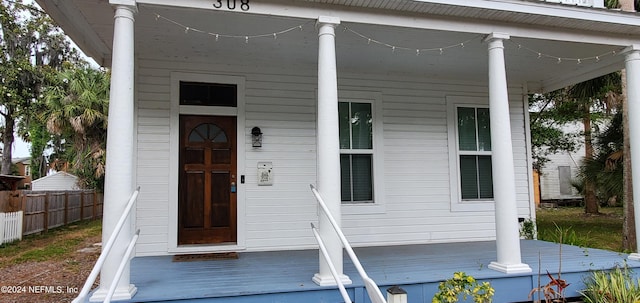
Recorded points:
(285, 276)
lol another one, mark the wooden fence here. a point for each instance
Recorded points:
(47, 209)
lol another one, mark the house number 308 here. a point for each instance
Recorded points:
(232, 4)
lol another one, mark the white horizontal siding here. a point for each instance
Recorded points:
(283, 104)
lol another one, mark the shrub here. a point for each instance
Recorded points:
(615, 286)
(450, 290)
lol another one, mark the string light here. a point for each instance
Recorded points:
(217, 36)
(417, 51)
(559, 60)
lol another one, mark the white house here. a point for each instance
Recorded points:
(56, 181)
(558, 174)
(410, 117)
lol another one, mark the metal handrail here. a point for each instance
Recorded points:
(372, 289)
(106, 249)
(332, 268)
(123, 263)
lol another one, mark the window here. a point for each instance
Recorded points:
(27, 170)
(356, 151)
(564, 179)
(208, 94)
(469, 142)
(474, 152)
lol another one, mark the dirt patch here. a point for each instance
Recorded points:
(58, 279)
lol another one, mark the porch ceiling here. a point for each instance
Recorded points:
(162, 38)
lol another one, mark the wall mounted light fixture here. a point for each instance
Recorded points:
(256, 137)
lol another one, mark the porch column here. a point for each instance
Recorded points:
(119, 183)
(328, 149)
(504, 186)
(632, 66)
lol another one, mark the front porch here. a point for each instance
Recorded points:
(285, 276)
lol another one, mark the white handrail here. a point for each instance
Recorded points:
(123, 263)
(332, 268)
(106, 249)
(372, 288)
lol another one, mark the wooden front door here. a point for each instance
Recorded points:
(207, 185)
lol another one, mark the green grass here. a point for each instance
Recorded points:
(56, 244)
(595, 231)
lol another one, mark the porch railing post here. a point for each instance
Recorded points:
(328, 149)
(119, 181)
(509, 259)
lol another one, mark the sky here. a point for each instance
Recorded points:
(20, 148)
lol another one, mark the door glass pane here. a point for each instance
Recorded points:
(362, 178)
(467, 128)
(484, 130)
(469, 177)
(345, 131)
(198, 134)
(361, 125)
(485, 177)
(208, 132)
(345, 177)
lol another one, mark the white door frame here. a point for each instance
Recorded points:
(174, 141)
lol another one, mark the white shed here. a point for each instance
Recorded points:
(58, 181)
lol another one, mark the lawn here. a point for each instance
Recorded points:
(595, 231)
(60, 259)
(57, 244)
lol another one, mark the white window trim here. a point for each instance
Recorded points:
(378, 205)
(176, 111)
(457, 204)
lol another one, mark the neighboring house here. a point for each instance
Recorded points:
(23, 167)
(59, 181)
(400, 113)
(558, 173)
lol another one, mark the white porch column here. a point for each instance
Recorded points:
(632, 65)
(119, 183)
(328, 149)
(504, 187)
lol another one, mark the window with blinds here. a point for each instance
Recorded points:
(474, 152)
(356, 152)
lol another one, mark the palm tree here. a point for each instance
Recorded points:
(628, 227)
(590, 99)
(605, 168)
(76, 112)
